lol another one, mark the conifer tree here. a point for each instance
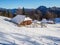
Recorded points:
(23, 11)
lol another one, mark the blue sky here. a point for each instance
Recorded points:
(28, 3)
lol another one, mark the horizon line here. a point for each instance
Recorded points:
(29, 8)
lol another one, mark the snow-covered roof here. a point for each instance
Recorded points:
(18, 19)
(50, 21)
(27, 18)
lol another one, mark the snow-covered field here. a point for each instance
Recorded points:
(11, 34)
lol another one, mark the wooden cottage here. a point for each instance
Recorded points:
(27, 21)
(22, 20)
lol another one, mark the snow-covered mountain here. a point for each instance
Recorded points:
(11, 34)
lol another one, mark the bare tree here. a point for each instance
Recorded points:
(38, 14)
(51, 16)
(19, 11)
(10, 14)
(4, 13)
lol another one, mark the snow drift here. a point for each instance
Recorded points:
(11, 34)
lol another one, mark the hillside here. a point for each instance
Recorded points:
(11, 34)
